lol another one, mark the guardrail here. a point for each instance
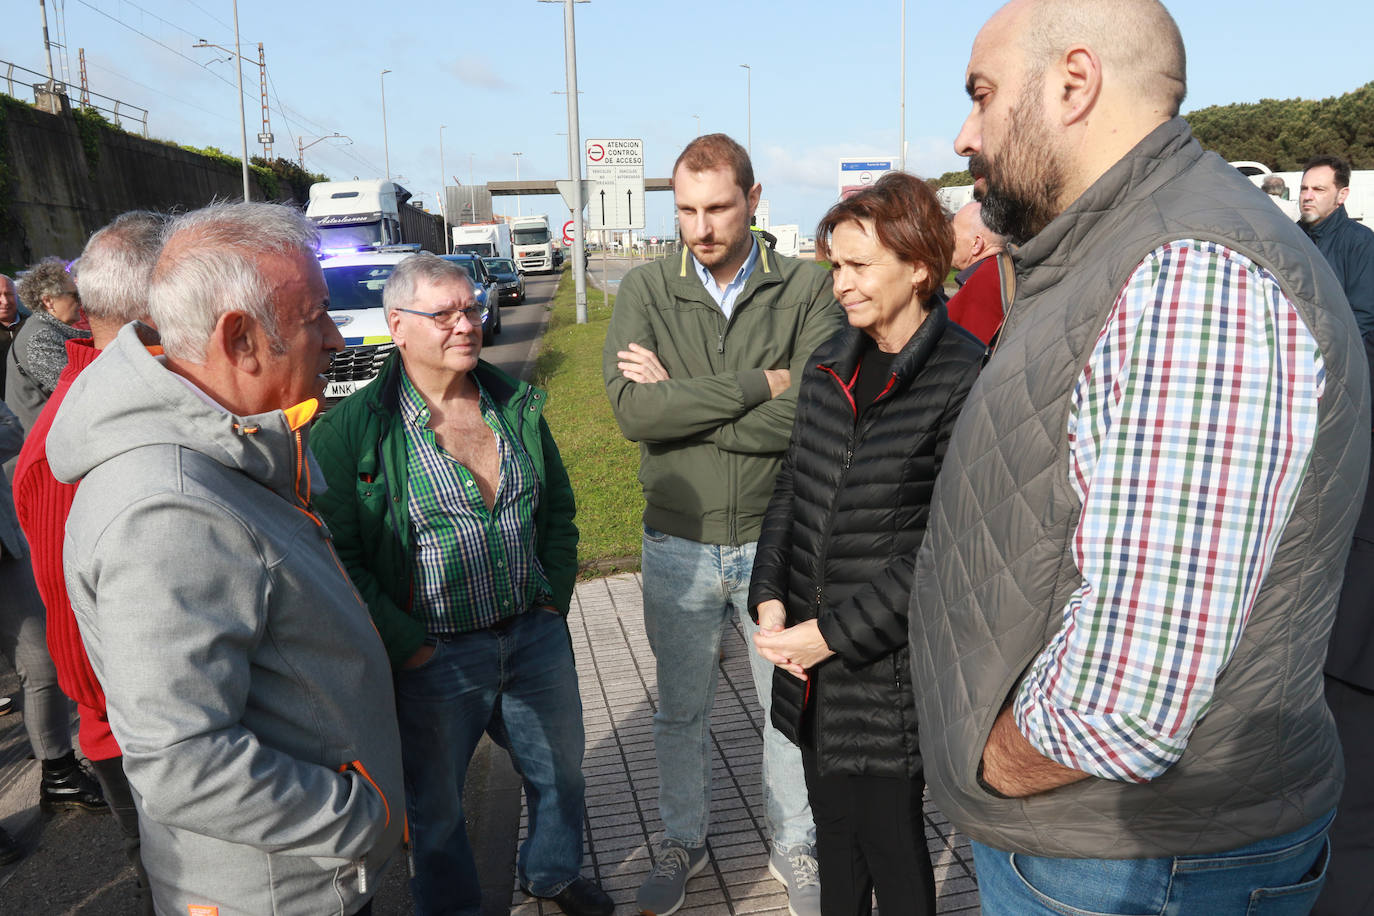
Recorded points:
(120, 110)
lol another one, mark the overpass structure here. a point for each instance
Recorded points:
(522, 188)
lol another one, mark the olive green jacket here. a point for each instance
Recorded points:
(711, 439)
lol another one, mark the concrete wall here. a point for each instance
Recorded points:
(53, 196)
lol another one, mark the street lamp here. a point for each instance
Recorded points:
(472, 200)
(698, 117)
(517, 181)
(749, 110)
(386, 144)
(238, 68)
(443, 198)
(302, 146)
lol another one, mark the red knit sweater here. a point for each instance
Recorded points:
(977, 306)
(43, 503)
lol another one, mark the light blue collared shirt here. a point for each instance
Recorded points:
(725, 298)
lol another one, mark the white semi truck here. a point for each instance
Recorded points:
(535, 251)
(355, 216)
(487, 240)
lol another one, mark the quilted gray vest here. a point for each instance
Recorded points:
(996, 568)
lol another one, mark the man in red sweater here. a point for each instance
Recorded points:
(113, 274)
(977, 306)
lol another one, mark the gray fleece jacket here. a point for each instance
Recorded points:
(246, 684)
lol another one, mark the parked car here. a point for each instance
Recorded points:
(488, 292)
(508, 279)
(355, 284)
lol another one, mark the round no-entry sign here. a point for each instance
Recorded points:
(568, 233)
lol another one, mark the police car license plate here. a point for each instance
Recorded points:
(340, 389)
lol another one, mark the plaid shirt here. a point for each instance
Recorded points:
(1190, 431)
(474, 567)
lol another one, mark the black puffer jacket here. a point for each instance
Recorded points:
(840, 537)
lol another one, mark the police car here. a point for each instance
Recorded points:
(355, 284)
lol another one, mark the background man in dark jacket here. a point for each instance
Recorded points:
(454, 516)
(1122, 604)
(1348, 247)
(10, 321)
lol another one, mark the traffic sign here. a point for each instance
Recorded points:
(857, 174)
(615, 170)
(568, 233)
(565, 187)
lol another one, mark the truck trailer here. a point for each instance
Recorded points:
(487, 240)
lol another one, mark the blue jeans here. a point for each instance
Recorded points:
(1276, 877)
(690, 591)
(516, 682)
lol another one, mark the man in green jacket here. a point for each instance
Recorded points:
(453, 514)
(698, 363)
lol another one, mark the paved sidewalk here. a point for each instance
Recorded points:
(616, 675)
(74, 866)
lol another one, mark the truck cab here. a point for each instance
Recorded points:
(354, 216)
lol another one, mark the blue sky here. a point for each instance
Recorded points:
(825, 79)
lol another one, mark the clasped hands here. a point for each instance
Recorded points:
(794, 649)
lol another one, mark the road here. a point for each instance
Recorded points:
(75, 864)
(609, 270)
(515, 348)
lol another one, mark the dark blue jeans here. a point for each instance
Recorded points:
(1276, 877)
(517, 683)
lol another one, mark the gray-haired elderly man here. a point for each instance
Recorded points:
(244, 680)
(454, 516)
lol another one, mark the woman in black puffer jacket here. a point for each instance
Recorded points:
(833, 570)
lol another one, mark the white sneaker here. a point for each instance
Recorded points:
(796, 868)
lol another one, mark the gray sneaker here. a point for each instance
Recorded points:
(796, 869)
(666, 887)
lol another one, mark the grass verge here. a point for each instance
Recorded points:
(603, 466)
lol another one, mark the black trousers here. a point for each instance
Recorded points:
(870, 834)
(1349, 886)
(121, 801)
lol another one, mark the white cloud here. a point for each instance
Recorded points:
(478, 72)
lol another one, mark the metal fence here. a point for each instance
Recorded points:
(119, 111)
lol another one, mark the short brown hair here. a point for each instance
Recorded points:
(717, 151)
(908, 220)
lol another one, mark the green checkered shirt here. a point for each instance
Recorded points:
(474, 567)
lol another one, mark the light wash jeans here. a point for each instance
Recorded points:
(516, 682)
(1276, 877)
(690, 591)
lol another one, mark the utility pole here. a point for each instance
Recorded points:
(575, 156)
(243, 121)
(517, 181)
(47, 45)
(265, 138)
(901, 106)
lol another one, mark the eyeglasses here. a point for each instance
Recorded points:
(447, 320)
